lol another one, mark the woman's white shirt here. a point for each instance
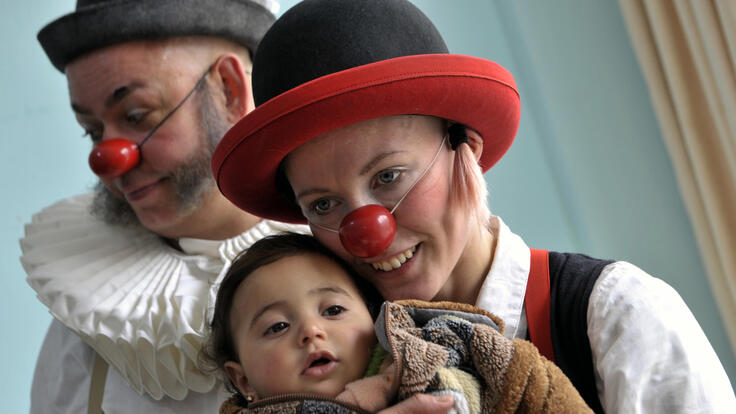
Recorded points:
(649, 352)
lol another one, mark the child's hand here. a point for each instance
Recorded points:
(422, 403)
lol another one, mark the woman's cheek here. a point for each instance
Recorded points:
(423, 207)
(432, 193)
(332, 241)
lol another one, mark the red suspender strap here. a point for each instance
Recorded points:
(537, 303)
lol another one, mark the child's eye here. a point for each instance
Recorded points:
(333, 310)
(276, 328)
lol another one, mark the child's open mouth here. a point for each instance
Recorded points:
(319, 364)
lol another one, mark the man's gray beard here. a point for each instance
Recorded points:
(192, 180)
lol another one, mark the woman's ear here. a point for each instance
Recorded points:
(475, 142)
(234, 83)
(236, 374)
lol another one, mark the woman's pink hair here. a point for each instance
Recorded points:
(468, 185)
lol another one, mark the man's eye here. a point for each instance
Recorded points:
(387, 177)
(333, 310)
(276, 328)
(135, 117)
(93, 135)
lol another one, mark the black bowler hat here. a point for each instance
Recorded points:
(326, 64)
(99, 23)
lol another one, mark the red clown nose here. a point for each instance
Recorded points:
(114, 157)
(367, 231)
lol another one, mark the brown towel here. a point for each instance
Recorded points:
(517, 378)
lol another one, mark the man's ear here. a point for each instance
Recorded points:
(235, 85)
(236, 374)
(475, 142)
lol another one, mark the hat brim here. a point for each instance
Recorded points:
(476, 92)
(103, 24)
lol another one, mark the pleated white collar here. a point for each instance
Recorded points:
(142, 305)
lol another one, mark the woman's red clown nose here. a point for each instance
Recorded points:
(367, 231)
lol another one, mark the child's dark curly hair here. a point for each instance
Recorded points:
(219, 347)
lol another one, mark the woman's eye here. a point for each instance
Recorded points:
(322, 205)
(333, 310)
(387, 177)
(276, 328)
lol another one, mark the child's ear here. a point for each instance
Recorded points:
(236, 374)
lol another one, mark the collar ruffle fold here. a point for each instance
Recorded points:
(142, 305)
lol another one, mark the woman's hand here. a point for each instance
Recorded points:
(422, 403)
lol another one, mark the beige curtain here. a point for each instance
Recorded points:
(687, 51)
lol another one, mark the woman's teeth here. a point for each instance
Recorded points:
(396, 261)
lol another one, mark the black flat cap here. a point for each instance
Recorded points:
(99, 23)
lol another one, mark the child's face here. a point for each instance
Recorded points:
(299, 325)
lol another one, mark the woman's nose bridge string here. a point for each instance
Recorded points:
(426, 170)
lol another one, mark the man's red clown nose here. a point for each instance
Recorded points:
(114, 157)
(367, 231)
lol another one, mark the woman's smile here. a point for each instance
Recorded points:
(394, 262)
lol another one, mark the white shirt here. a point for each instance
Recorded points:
(649, 353)
(127, 296)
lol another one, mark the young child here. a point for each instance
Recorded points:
(293, 330)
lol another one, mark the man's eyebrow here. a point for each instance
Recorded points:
(78, 109)
(365, 170)
(121, 93)
(118, 95)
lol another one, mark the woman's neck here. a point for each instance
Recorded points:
(472, 267)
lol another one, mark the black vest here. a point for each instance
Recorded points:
(572, 277)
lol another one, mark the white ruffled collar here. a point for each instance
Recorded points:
(142, 305)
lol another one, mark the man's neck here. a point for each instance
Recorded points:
(215, 219)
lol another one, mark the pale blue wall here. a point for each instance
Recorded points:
(588, 171)
(42, 159)
(575, 60)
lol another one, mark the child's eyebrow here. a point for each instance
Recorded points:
(265, 309)
(315, 291)
(333, 289)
